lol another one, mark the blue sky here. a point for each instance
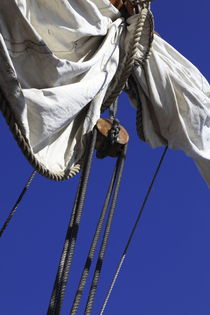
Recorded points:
(167, 269)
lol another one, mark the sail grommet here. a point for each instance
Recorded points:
(111, 138)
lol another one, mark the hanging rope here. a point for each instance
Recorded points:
(132, 232)
(100, 260)
(117, 86)
(58, 280)
(26, 149)
(26, 187)
(126, 66)
(111, 139)
(92, 249)
(71, 236)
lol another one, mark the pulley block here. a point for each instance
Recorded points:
(111, 138)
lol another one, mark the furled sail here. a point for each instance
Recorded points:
(175, 102)
(58, 59)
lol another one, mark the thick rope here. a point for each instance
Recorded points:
(57, 283)
(139, 121)
(111, 139)
(118, 86)
(94, 284)
(10, 216)
(71, 236)
(92, 249)
(79, 210)
(133, 231)
(132, 90)
(26, 149)
(130, 59)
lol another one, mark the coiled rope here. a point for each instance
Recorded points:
(133, 231)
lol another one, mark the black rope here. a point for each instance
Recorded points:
(94, 284)
(133, 231)
(92, 249)
(71, 236)
(57, 283)
(111, 139)
(113, 109)
(7, 221)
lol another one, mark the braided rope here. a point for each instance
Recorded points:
(110, 140)
(62, 275)
(118, 86)
(133, 89)
(139, 122)
(17, 203)
(130, 58)
(27, 151)
(100, 260)
(148, 193)
(93, 245)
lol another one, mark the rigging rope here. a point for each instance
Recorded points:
(92, 249)
(72, 231)
(26, 149)
(70, 241)
(133, 231)
(117, 87)
(126, 66)
(71, 236)
(94, 284)
(10, 216)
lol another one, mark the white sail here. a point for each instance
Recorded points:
(57, 61)
(61, 56)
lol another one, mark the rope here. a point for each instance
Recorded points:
(110, 140)
(139, 121)
(118, 86)
(113, 109)
(10, 216)
(92, 249)
(71, 236)
(94, 284)
(130, 58)
(26, 149)
(133, 231)
(57, 283)
(133, 92)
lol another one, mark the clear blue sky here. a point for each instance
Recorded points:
(167, 269)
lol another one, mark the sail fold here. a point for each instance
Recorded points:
(58, 59)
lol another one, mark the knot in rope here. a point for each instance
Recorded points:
(108, 140)
(113, 133)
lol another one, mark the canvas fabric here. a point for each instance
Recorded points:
(175, 100)
(57, 57)
(57, 62)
